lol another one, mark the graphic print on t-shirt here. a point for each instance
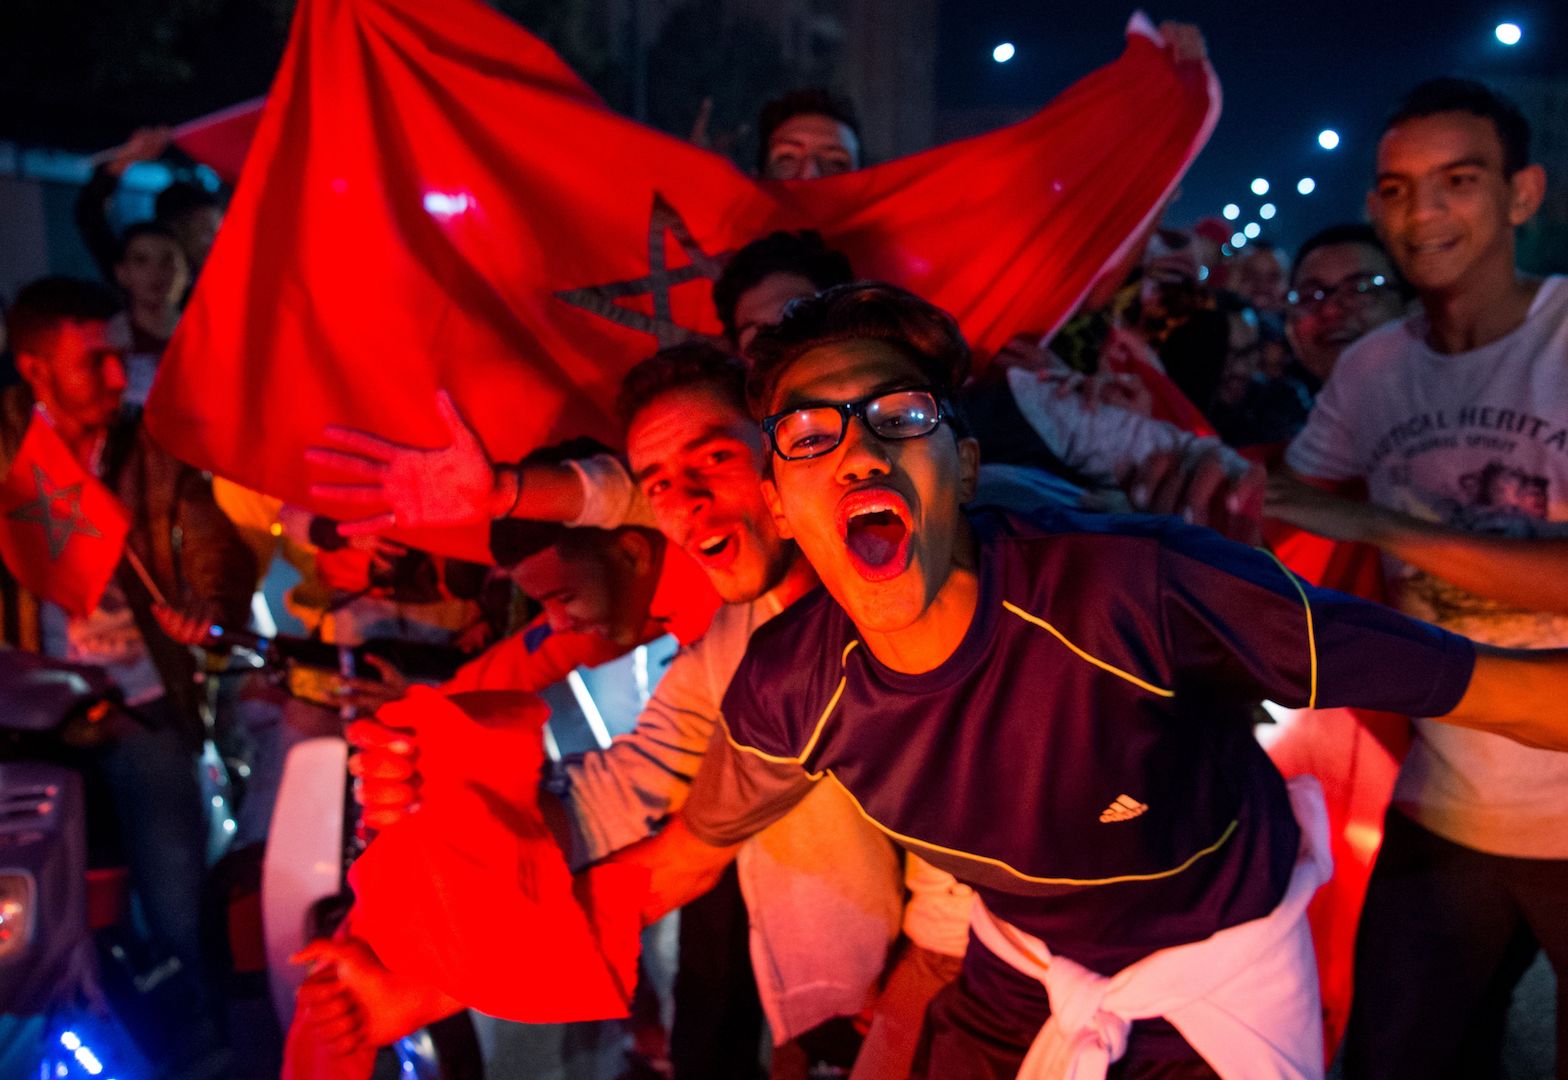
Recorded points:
(1479, 469)
(1499, 498)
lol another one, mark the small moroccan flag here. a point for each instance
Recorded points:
(61, 531)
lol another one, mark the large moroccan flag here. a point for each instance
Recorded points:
(61, 531)
(433, 199)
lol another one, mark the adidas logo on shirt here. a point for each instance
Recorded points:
(1125, 808)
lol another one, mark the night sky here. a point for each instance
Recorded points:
(1287, 72)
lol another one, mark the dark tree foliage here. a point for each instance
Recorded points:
(574, 28)
(82, 74)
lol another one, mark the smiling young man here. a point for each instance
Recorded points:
(1456, 419)
(1057, 711)
(819, 927)
(1343, 286)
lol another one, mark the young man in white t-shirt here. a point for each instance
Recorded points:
(1456, 418)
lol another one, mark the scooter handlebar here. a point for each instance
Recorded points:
(37, 693)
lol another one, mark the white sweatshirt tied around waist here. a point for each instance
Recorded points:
(1246, 998)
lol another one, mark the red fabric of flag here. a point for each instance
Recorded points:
(1355, 754)
(61, 531)
(434, 200)
(472, 893)
(221, 140)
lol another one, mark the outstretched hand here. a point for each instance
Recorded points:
(405, 486)
(1184, 41)
(145, 144)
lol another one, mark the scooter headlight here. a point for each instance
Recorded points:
(16, 912)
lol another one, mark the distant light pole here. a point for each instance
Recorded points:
(1328, 139)
(1003, 52)
(1509, 33)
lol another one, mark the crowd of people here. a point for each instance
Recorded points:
(954, 774)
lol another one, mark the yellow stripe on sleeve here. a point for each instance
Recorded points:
(1096, 661)
(816, 732)
(1312, 641)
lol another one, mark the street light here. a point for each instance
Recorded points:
(1328, 139)
(1266, 211)
(1003, 52)
(1252, 230)
(1306, 186)
(1231, 211)
(1509, 33)
(1260, 186)
(1237, 240)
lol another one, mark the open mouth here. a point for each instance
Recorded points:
(715, 551)
(875, 526)
(1433, 247)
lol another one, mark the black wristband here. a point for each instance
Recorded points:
(517, 497)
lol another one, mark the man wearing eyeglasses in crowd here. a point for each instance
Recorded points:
(1457, 420)
(1344, 286)
(1054, 710)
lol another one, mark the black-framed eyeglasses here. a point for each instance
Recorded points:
(814, 430)
(1354, 288)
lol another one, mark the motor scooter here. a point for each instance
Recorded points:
(73, 978)
(315, 834)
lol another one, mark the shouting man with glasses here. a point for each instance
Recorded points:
(1057, 710)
